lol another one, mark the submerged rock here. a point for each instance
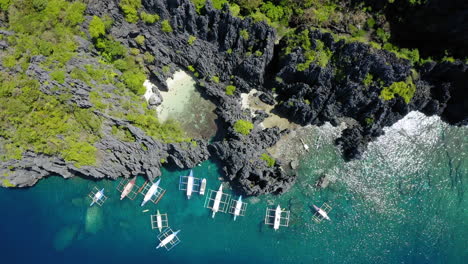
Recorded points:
(64, 237)
(94, 220)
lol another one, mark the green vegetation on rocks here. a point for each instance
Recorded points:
(230, 89)
(191, 40)
(96, 27)
(215, 79)
(368, 80)
(140, 39)
(404, 89)
(270, 161)
(319, 55)
(123, 133)
(149, 18)
(244, 34)
(243, 126)
(53, 124)
(166, 26)
(130, 9)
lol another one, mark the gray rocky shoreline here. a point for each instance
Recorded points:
(220, 51)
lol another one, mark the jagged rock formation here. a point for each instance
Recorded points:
(338, 92)
(335, 93)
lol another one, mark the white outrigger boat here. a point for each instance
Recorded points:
(128, 188)
(98, 196)
(276, 224)
(217, 200)
(322, 212)
(277, 217)
(168, 239)
(152, 190)
(159, 221)
(189, 184)
(238, 208)
(203, 187)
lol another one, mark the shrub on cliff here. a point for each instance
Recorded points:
(243, 126)
(96, 27)
(244, 34)
(270, 161)
(149, 18)
(134, 81)
(140, 39)
(404, 89)
(166, 26)
(230, 89)
(191, 40)
(130, 9)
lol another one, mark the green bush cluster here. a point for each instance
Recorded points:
(199, 4)
(42, 32)
(147, 57)
(215, 79)
(58, 76)
(230, 89)
(404, 89)
(134, 79)
(191, 68)
(244, 34)
(369, 120)
(110, 49)
(96, 27)
(130, 9)
(122, 133)
(166, 26)
(191, 40)
(270, 161)
(320, 55)
(53, 125)
(243, 126)
(149, 18)
(368, 80)
(32, 120)
(140, 39)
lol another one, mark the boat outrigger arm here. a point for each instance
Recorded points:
(217, 200)
(152, 190)
(238, 208)
(97, 196)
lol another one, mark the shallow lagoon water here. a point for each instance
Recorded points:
(404, 202)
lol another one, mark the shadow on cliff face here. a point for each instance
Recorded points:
(433, 27)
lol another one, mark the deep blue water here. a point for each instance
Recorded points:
(404, 202)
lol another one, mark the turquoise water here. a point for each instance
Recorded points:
(405, 202)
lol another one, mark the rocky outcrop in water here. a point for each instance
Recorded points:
(340, 91)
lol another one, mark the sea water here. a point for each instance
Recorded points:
(404, 202)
